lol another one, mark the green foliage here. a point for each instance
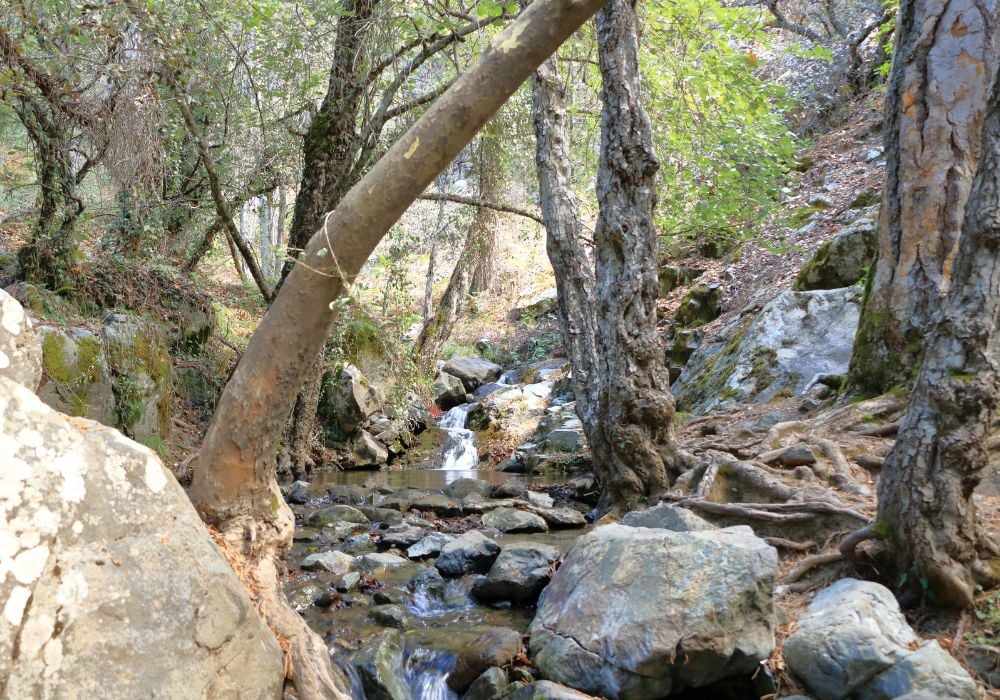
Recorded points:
(719, 129)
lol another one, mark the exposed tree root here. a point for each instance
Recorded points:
(810, 563)
(782, 543)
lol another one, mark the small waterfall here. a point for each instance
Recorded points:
(427, 672)
(460, 449)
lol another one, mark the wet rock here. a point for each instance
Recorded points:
(841, 261)
(98, 532)
(347, 582)
(547, 690)
(388, 517)
(667, 517)
(460, 488)
(349, 399)
(402, 499)
(677, 610)
(346, 494)
(489, 686)
(380, 666)
(566, 438)
(296, 493)
(439, 504)
(429, 580)
(562, 518)
(699, 306)
(448, 390)
(356, 544)
(20, 349)
(539, 499)
(512, 520)
(512, 488)
(519, 574)
(472, 552)
(337, 514)
(402, 535)
(388, 616)
(795, 337)
(334, 562)
(853, 641)
(497, 647)
(383, 560)
(429, 546)
(473, 371)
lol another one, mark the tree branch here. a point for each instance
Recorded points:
(478, 202)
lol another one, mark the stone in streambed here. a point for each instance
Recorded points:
(472, 552)
(498, 647)
(511, 520)
(519, 574)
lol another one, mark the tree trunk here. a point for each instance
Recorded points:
(633, 443)
(943, 68)
(234, 485)
(487, 222)
(925, 507)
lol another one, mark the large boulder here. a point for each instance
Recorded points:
(699, 306)
(20, 353)
(113, 587)
(141, 374)
(676, 611)
(349, 399)
(472, 552)
(380, 666)
(853, 641)
(843, 260)
(519, 574)
(498, 647)
(795, 337)
(473, 371)
(448, 390)
(362, 451)
(513, 520)
(77, 378)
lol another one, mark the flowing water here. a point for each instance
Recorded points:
(460, 453)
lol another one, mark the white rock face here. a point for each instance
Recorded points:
(112, 586)
(20, 353)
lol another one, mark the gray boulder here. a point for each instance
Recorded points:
(513, 520)
(333, 562)
(562, 518)
(472, 552)
(20, 351)
(337, 514)
(795, 337)
(460, 488)
(667, 517)
(853, 641)
(362, 451)
(402, 535)
(547, 690)
(439, 504)
(349, 399)
(843, 260)
(111, 573)
(677, 610)
(473, 371)
(498, 647)
(77, 378)
(429, 546)
(448, 390)
(519, 574)
(490, 685)
(380, 666)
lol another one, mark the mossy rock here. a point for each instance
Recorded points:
(142, 377)
(77, 380)
(699, 306)
(843, 260)
(673, 276)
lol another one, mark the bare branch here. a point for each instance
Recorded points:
(477, 202)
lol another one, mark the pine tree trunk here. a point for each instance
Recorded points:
(943, 69)
(633, 444)
(925, 508)
(234, 487)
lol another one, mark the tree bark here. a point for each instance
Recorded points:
(943, 68)
(234, 486)
(487, 221)
(633, 434)
(925, 507)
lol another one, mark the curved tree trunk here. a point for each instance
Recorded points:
(943, 68)
(234, 487)
(925, 507)
(633, 442)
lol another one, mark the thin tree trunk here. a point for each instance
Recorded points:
(234, 486)
(633, 433)
(943, 69)
(425, 311)
(925, 508)
(487, 222)
(264, 214)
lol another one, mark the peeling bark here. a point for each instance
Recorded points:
(234, 487)
(926, 512)
(943, 69)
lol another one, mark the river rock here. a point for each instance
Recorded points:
(349, 399)
(388, 616)
(498, 647)
(853, 641)
(490, 685)
(547, 690)
(667, 517)
(795, 337)
(460, 488)
(512, 520)
(539, 499)
(113, 587)
(439, 504)
(429, 546)
(676, 610)
(380, 666)
(472, 552)
(347, 494)
(473, 371)
(402, 535)
(333, 562)
(383, 560)
(20, 351)
(512, 488)
(337, 514)
(448, 390)
(519, 574)
(383, 516)
(562, 518)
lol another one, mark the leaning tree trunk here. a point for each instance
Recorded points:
(943, 68)
(327, 156)
(234, 486)
(632, 434)
(925, 506)
(487, 221)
